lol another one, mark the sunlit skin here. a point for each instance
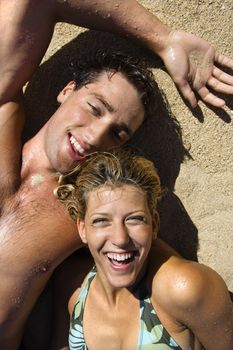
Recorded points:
(97, 116)
(120, 232)
(118, 224)
(37, 226)
(193, 63)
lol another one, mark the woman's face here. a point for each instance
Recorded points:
(118, 228)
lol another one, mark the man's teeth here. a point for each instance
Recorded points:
(120, 257)
(77, 147)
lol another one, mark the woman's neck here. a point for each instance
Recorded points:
(112, 294)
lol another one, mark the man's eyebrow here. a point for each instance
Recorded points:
(104, 102)
(110, 108)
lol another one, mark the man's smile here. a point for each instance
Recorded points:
(76, 146)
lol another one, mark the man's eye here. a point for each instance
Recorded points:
(95, 110)
(117, 136)
(120, 136)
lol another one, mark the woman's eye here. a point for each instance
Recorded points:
(99, 221)
(136, 219)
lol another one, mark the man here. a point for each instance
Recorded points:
(26, 28)
(36, 234)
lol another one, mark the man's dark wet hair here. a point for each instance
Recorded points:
(87, 71)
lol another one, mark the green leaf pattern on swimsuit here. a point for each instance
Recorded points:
(153, 336)
(76, 338)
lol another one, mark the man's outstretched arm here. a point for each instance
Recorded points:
(26, 28)
(23, 42)
(189, 59)
(11, 126)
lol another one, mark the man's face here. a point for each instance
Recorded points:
(99, 116)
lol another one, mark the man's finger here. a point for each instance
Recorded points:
(188, 94)
(210, 98)
(219, 86)
(222, 76)
(223, 60)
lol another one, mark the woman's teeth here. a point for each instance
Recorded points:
(120, 257)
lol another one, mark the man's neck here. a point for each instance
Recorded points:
(34, 159)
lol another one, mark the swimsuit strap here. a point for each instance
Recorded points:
(152, 335)
(76, 337)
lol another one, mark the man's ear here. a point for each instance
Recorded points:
(66, 91)
(156, 224)
(81, 230)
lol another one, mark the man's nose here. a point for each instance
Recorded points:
(97, 134)
(120, 235)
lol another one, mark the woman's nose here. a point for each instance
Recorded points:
(120, 235)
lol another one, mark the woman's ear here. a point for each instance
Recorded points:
(156, 224)
(66, 91)
(81, 230)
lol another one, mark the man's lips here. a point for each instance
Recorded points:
(77, 149)
(76, 146)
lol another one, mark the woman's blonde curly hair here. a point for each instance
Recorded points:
(107, 169)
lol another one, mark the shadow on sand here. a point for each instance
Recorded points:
(159, 139)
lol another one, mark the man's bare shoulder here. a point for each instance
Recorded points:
(34, 197)
(36, 235)
(35, 219)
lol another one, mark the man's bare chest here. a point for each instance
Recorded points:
(37, 187)
(34, 217)
(33, 201)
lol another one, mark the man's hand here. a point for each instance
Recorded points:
(190, 61)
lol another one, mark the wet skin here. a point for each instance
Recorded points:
(33, 220)
(96, 117)
(118, 228)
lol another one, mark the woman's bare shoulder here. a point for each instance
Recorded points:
(180, 285)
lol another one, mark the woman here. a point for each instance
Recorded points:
(141, 294)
